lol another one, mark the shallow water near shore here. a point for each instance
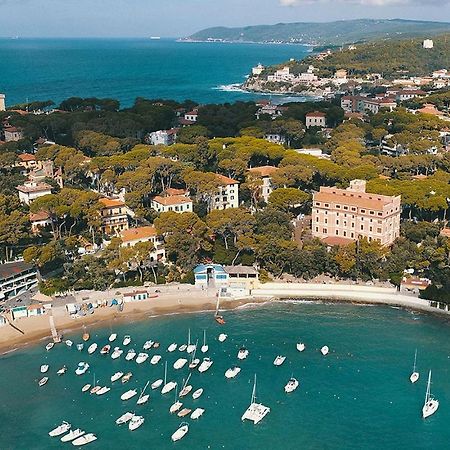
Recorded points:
(358, 397)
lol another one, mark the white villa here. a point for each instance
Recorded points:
(32, 190)
(227, 195)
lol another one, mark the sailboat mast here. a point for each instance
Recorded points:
(189, 337)
(254, 391)
(415, 360)
(165, 374)
(427, 395)
(204, 337)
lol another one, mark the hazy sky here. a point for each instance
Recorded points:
(182, 17)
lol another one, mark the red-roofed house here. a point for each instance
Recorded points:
(134, 236)
(227, 195)
(12, 134)
(316, 119)
(32, 190)
(176, 203)
(27, 161)
(191, 116)
(265, 173)
(114, 214)
(39, 220)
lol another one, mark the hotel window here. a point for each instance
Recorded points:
(380, 214)
(326, 220)
(317, 219)
(352, 235)
(346, 208)
(338, 206)
(370, 229)
(337, 222)
(337, 232)
(324, 231)
(371, 212)
(363, 211)
(318, 204)
(353, 209)
(353, 224)
(327, 205)
(345, 234)
(362, 227)
(317, 229)
(379, 230)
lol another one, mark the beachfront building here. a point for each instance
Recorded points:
(135, 296)
(210, 275)
(163, 137)
(16, 278)
(32, 190)
(133, 236)
(346, 215)
(245, 277)
(265, 173)
(316, 119)
(179, 203)
(227, 195)
(114, 214)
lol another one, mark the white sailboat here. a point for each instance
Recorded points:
(72, 434)
(256, 411)
(141, 358)
(167, 386)
(103, 390)
(176, 405)
(324, 350)
(198, 412)
(85, 439)
(190, 347)
(205, 347)
(129, 394)
(155, 359)
(291, 385)
(205, 365)
(279, 360)
(60, 429)
(92, 348)
(43, 381)
(86, 387)
(187, 388)
(156, 384)
(181, 432)
(197, 394)
(415, 375)
(431, 405)
(135, 422)
(143, 398)
(182, 348)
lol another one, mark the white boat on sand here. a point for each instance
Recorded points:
(430, 405)
(256, 411)
(72, 434)
(60, 429)
(85, 439)
(181, 432)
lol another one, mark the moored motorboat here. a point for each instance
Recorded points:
(103, 390)
(85, 439)
(126, 340)
(95, 389)
(129, 394)
(86, 387)
(72, 434)
(112, 337)
(197, 394)
(124, 418)
(148, 345)
(222, 337)
(198, 412)
(242, 353)
(184, 412)
(49, 346)
(116, 353)
(130, 354)
(68, 342)
(155, 359)
(141, 358)
(135, 422)
(300, 346)
(232, 372)
(220, 320)
(156, 345)
(80, 346)
(205, 365)
(179, 363)
(117, 376)
(170, 386)
(43, 381)
(172, 347)
(182, 348)
(126, 378)
(60, 429)
(156, 384)
(92, 348)
(105, 349)
(62, 371)
(44, 368)
(324, 350)
(291, 385)
(279, 360)
(181, 432)
(85, 337)
(82, 368)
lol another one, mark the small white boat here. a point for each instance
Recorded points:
(112, 337)
(222, 337)
(190, 347)
(194, 363)
(124, 418)
(181, 432)
(127, 377)
(116, 353)
(198, 412)
(279, 360)
(184, 412)
(187, 388)
(232, 372)
(242, 353)
(92, 348)
(197, 394)
(179, 363)
(156, 384)
(135, 422)
(415, 375)
(130, 354)
(72, 434)
(143, 398)
(431, 405)
(170, 386)
(117, 376)
(85, 439)
(205, 365)
(148, 345)
(86, 387)
(175, 407)
(80, 347)
(256, 411)
(155, 359)
(105, 349)
(60, 429)
(62, 371)
(291, 385)
(44, 368)
(172, 347)
(301, 347)
(141, 358)
(43, 381)
(324, 350)
(204, 347)
(68, 342)
(182, 348)
(126, 340)
(49, 346)
(103, 390)
(129, 394)
(95, 389)
(82, 368)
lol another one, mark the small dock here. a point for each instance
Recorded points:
(56, 337)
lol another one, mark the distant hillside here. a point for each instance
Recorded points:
(331, 33)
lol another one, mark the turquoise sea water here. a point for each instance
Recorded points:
(358, 397)
(41, 69)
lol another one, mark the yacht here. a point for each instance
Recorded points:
(205, 365)
(184, 412)
(62, 371)
(126, 340)
(172, 347)
(232, 372)
(141, 358)
(43, 381)
(105, 350)
(194, 361)
(49, 346)
(148, 345)
(82, 368)
(135, 422)
(130, 355)
(129, 394)
(112, 337)
(103, 390)
(181, 432)
(143, 398)
(324, 350)
(179, 363)
(85, 439)
(176, 405)
(197, 394)
(190, 347)
(198, 412)
(187, 388)
(415, 375)
(222, 337)
(116, 353)
(117, 376)
(126, 378)
(155, 359)
(301, 347)
(86, 387)
(92, 348)
(44, 368)
(430, 405)
(80, 347)
(167, 387)
(279, 360)
(68, 342)
(156, 384)
(243, 353)
(256, 411)
(60, 429)
(291, 385)
(205, 347)
(124, 418)
(72, 434)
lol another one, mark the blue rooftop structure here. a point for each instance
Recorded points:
(210, 275)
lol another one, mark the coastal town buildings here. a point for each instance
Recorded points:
(114, 215)
(16, 278)
(258, 70)
(346, 215)
(227, 195)
(177, 202)
(162, 137)
(12, 134)
(39, 221)
(275, 138)
(2, 102)
(133, 236)
(316, 119)
(191, 116)
(265, 173)
(32, 190)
